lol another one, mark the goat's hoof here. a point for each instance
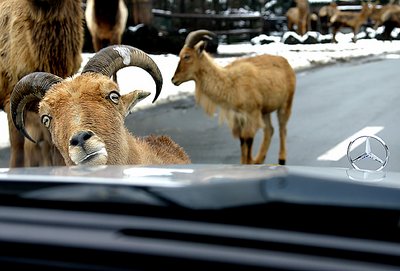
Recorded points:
(259, 160)
(282, 162)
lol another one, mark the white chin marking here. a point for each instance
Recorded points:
(88, 157)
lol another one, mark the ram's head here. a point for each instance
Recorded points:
(85, 114)
(190, 54)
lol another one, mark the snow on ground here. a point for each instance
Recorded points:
(299, 56)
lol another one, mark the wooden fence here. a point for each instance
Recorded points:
(231, 26)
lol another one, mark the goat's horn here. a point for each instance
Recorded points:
(31, 88)
(109, 60)
(194, 37)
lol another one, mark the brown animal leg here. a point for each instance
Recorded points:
(282, 144)
(246, 148)
(283, 118)
(303, 26)
(41, 153)
(290, 26)
(355, 32)
(16, 142)
(268, 132)
(334, 31)
(96, 44)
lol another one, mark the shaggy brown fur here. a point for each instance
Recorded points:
(389, 12)
(84, 105)
(247, 91)
(106, 21)
(354, 20)
(36, 35)
(299, 16)
(324, 14)
(304, 12)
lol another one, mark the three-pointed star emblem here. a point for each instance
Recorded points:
(368, 154)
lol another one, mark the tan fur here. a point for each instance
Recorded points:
(328, 10)
(299, 16)
(83, 104)
(292, 17)
(354, 20)
(246, 92)
(324, 14)
(389, 11)
(108, 29)
(35, 39)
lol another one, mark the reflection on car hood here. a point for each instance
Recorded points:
(220, 186)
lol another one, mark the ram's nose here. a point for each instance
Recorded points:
(175, 81)
(79, 138)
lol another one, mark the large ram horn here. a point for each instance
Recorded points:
(109, 60)
(194, 37)
(31, 88)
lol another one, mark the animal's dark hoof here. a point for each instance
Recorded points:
(282, 162)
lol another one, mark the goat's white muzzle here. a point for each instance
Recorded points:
(87, 149)
(93, 158)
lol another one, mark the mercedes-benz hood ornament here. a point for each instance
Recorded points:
(368, 153)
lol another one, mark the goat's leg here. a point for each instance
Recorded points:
(283, 118)
(16, 142)
(334, 31)
(96, 41)
(35, 154)
(355, 32)
(268, 132)
(282, 141)
(246, 150)
(303, 26)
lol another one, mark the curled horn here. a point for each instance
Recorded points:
(109, 60)
(194, 37)
(31, 88)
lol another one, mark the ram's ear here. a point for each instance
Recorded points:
(131, 99)
(200, 46)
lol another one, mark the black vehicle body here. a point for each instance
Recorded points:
(198, 217)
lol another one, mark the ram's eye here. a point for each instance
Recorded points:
(186, 57)
(114, 97)
(46, 120)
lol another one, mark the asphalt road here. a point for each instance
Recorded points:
(331, 104)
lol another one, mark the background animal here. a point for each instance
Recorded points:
(324, 14)
(387, 16)
(247, 91)
(298, 18)
(351, 19)
(292, 17)
(44, 35)
(106, 21)
(85, 115)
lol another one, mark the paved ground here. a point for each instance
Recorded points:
(331, 104)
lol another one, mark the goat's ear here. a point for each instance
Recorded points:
(200, 46)
(131, 99)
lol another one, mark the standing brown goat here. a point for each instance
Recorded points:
(299, 16)
(388, 15)
(304, 14)
(44, 35)
(247, 91)
(106, 21)
(324, 14)
(354, 20)
(292, 18)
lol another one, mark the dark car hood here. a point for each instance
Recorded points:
(208, 186)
